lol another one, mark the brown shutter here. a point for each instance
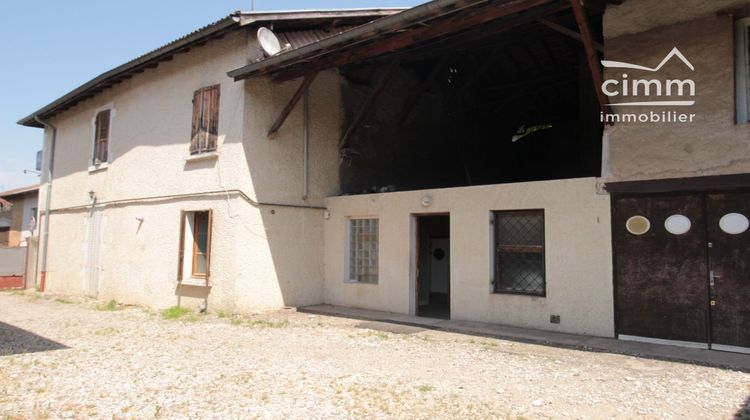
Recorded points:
(182, 246)
(212, 117)
(197, 114)
(210, 220)
(101, 136)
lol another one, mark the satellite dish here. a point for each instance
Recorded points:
(268, 41)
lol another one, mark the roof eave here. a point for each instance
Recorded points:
(99, 81)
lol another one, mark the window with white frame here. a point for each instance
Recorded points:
(742, 70)
(362, 263)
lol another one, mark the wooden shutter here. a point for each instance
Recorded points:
(101, 136)
(210, 220)
(211, 99)
(205, 129)
(197, 114)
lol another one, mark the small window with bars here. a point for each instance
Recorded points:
(205, 129)
(363, 251)
(101, 137)
(519, 252)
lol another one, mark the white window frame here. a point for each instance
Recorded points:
(112, 113)
(348, 248)
(742, 70)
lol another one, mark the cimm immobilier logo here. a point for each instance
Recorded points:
(667, 93)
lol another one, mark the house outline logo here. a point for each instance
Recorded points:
(629, 87)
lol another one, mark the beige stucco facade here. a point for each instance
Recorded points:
(262, 255)
(644, 32)
(577, 253)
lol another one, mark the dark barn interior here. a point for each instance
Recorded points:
(484, 106)
(458, 92)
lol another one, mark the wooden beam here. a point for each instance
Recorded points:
(569, 33)
(306, 82)
(591, 55)
(368, 103)
(408, 37)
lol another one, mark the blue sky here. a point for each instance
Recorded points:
(51, 47)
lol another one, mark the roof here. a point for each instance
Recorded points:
(21, 190)
(235, 20)
(425, 23)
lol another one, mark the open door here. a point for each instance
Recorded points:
(433, 266)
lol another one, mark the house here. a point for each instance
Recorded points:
(539, 163)
(18, 214)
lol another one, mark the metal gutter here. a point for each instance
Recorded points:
(363, 33)
(186, 195)
(50, 170)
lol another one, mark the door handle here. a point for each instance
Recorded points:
(711, 277)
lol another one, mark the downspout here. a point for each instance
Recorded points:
(305, 143)
(50, 167)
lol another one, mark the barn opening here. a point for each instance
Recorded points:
(475, 108)
(459, 92)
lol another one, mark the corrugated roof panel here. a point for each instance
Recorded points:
(298, 39)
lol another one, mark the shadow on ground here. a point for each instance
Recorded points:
(14, 340)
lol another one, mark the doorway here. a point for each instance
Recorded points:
(681, 270)
(433, 266)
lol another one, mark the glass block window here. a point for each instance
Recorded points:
(519, 252)
(363, 250)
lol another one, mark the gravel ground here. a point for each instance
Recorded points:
(68, 357)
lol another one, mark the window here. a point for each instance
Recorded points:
(195, 245)
(363, 251)
(101, 137)
(742, 70)
(519, 252)
(205, 120)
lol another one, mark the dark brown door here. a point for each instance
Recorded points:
(729, 265)
(660, 277)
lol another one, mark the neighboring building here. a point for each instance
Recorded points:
(513, 203)
(18, 214)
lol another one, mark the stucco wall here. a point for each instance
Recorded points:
(711, 145)
(263, 256)
(578, 253)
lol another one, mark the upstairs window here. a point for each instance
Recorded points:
(101, 137)
(205, 120)
(519, 252)
(742, 70)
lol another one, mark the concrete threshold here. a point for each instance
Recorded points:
(726, 360)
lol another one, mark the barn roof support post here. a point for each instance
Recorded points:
(291, 104)
(591, 54)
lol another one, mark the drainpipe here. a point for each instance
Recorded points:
(50, 167)
(305, 140)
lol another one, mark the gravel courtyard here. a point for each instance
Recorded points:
(66, 357)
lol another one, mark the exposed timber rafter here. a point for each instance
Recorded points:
(306, 82)
(591, 55)
(570, 33)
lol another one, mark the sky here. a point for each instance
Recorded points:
(50, 47)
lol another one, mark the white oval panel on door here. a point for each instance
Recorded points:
(734, 223)
(677, 224)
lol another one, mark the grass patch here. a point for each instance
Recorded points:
(265, 323)
(106, 331)
(63, 301)
(425, 388)
(176, 312)
(109, 306)
(258, 323)
(223, 314)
